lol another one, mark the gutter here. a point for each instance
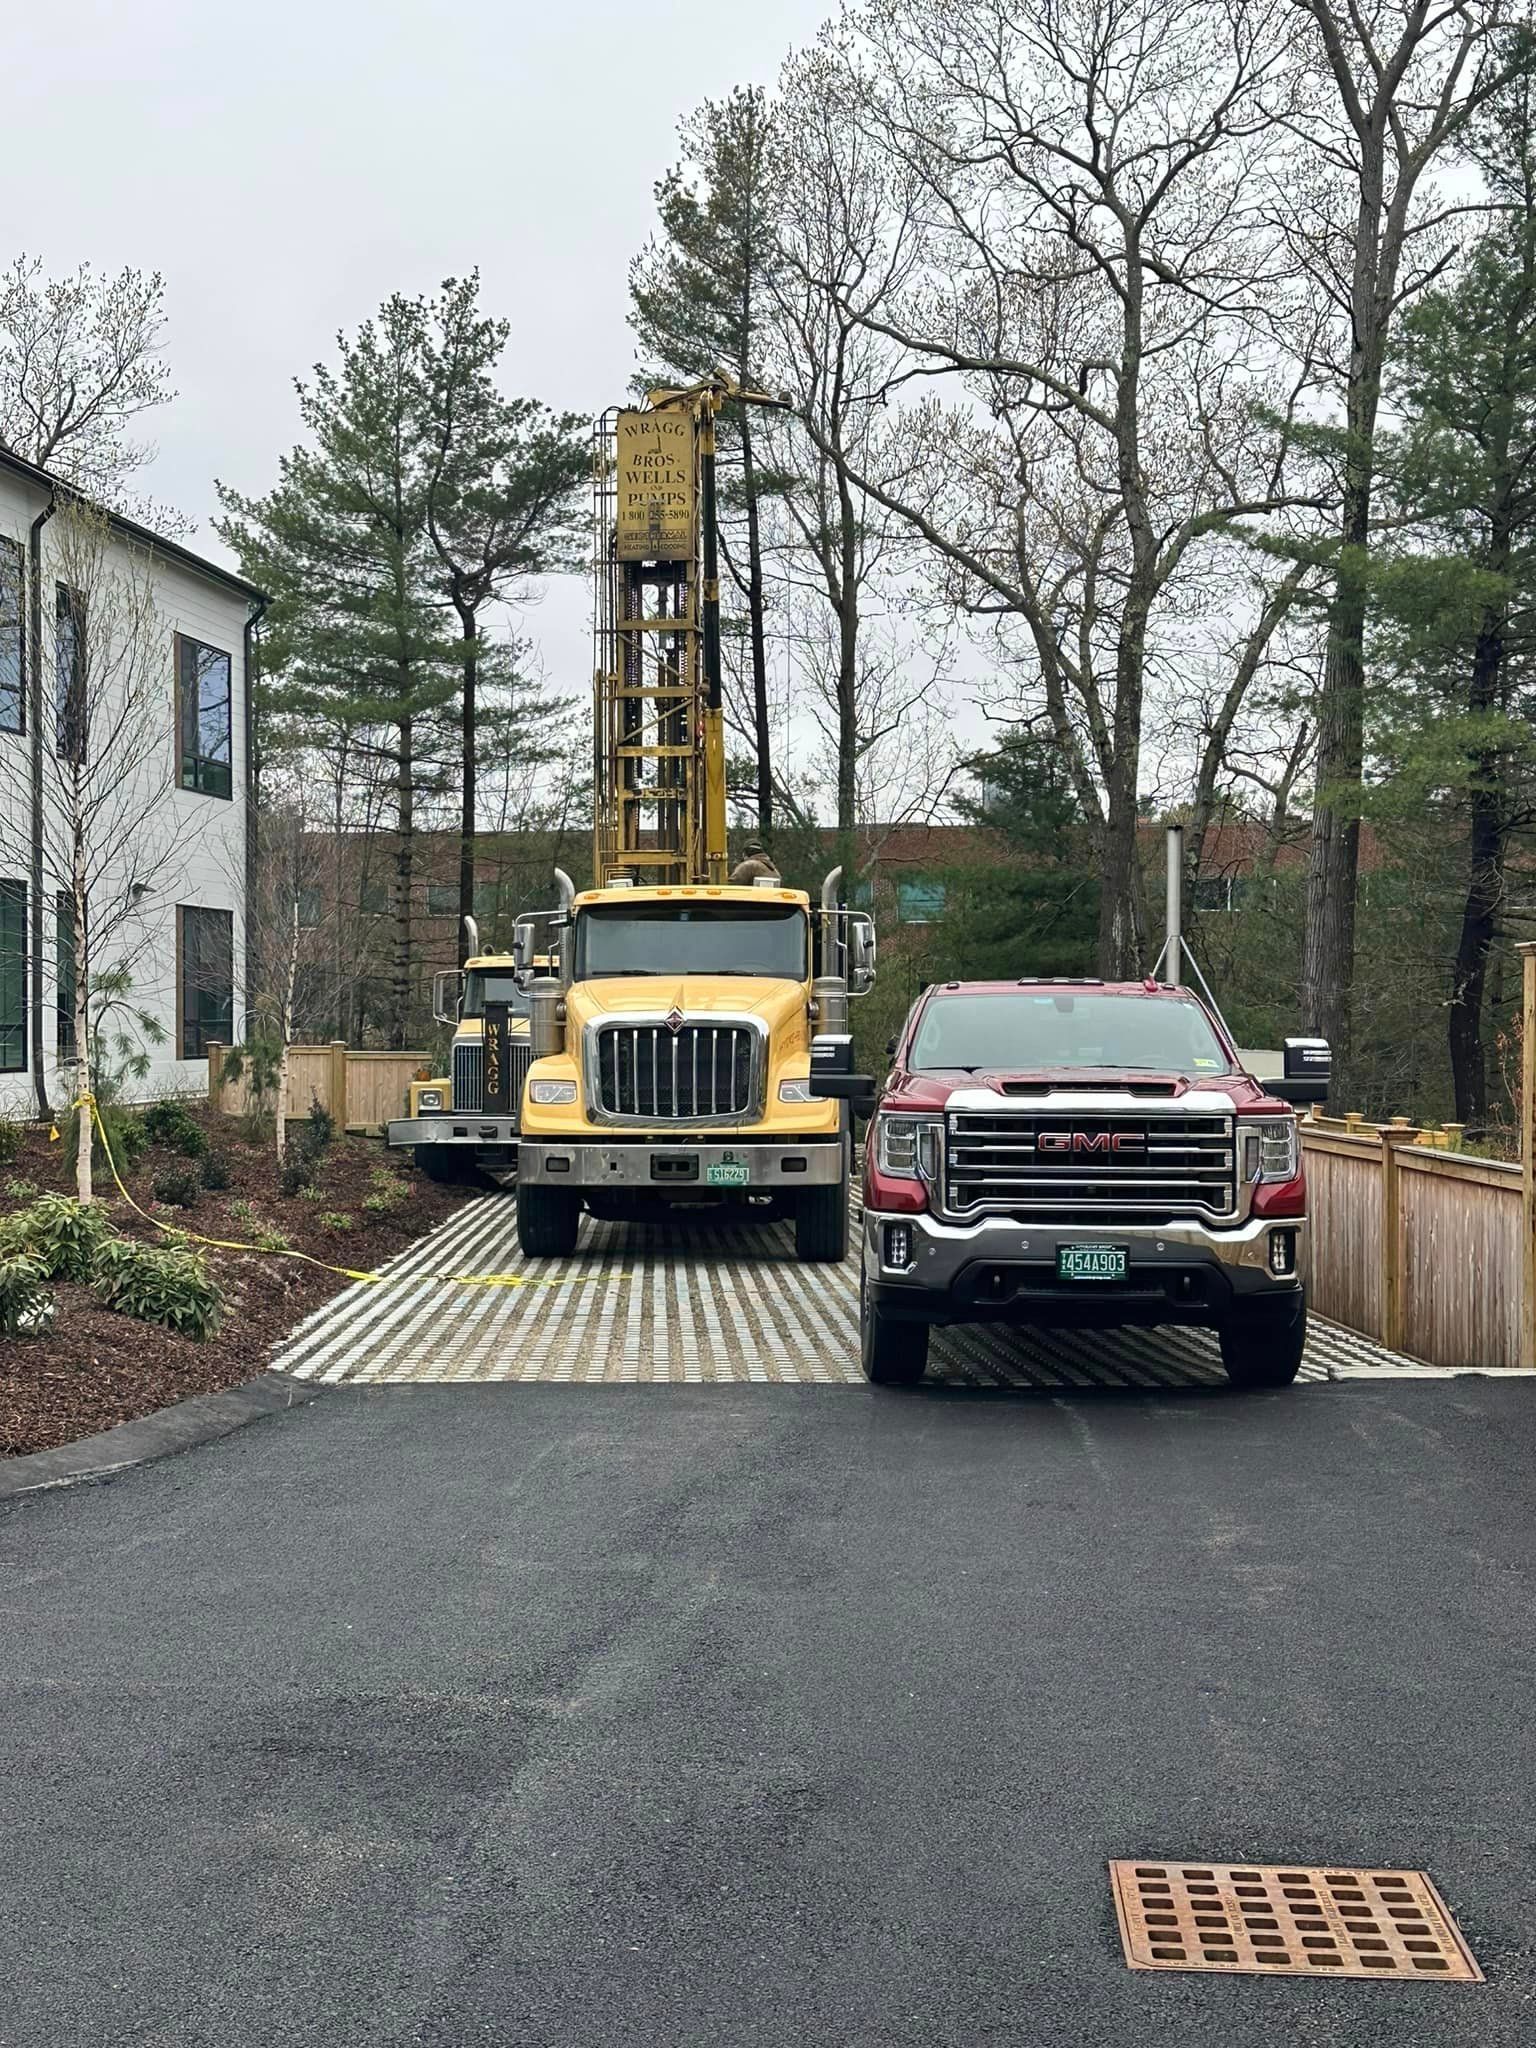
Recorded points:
(252, 809)
(35, 710)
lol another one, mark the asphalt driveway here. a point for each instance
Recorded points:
(579, 1716)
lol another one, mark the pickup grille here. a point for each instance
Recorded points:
(469, 1075)
(693, 1075)
(1094, 1166)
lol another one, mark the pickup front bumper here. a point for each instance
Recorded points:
(1002, 1269)
(681, 1164)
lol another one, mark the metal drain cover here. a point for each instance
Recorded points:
(1287, 1921)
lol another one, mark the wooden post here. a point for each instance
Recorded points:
(337, 1085)
(1394, 1331)
(215, 1073)
(1528, 1152)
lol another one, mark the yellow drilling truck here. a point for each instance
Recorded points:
(689, 1040)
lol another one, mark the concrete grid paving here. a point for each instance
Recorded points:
(701, 1305)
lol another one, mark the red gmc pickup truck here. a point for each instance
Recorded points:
(1084, 1152)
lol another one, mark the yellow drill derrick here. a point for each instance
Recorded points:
(659, 729)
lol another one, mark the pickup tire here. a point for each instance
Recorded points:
(548, 1221)
(892, 1353)
(821, 1224)
(1262, 1342)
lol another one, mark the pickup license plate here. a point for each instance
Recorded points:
(1090, 1262)
(728, 1174)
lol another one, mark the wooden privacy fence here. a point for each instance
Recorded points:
(362, 1090)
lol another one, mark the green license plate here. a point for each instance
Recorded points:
(1090, 1262)
(727, 1175)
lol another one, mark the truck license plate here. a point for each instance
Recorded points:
(728, 1174)
(1090, 1262)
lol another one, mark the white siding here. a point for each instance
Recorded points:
(207, 866)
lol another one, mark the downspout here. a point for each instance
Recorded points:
(35, 710)
(253, 621)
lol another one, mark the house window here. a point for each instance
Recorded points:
(69, 663)
(12, 702)
(310, 907)
(375, 899)
(205, 974)
(442, 899)
(919, 902)
(65, 968)
(13, 977)
(203, 717)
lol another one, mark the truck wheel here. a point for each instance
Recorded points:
(450, 1165)
(548, 1221)
(821, 1224)
(1262, 1342)
(893, 1354)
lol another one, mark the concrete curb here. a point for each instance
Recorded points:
(181, 1427)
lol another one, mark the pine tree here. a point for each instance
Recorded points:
(700, 303)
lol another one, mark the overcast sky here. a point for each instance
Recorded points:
(289, 166)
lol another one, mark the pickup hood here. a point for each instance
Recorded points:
(777, 1002)
(932, 1091)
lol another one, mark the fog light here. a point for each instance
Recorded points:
(1282, 1252)
(898, 1246)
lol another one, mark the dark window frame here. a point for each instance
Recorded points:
(18, 691)
(197, 772)
(71, 738)
(66, 966)
(14, 892)
(191, 1027)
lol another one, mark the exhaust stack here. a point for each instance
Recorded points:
(1173, 944)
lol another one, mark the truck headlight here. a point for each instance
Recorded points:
(796, 1090)
(1271, 1150)
(429, 1098)
(551, 1092)
(909, 1147)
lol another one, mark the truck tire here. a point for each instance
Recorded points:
(892, 1353)
(548, 1221)
(821, 1224)
(449, 1165)
(1262, 1342)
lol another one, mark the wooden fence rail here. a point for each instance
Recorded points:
(362, 1090)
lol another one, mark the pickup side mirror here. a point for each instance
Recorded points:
(890, 1048)
(1308, 1071)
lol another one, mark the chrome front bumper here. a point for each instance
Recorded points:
(449, 1129)
(663, 1166)
(950, 1263)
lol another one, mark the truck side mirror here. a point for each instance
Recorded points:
(447, 993)
(862, 951)
(523, 947)
(1307, 1073)
(857, 1090)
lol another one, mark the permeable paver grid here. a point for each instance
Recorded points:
(701, 1305)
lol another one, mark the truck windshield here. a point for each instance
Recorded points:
(691, 938)
(481, 988)
(1037, 1029)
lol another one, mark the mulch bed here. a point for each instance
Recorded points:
(94, 1368)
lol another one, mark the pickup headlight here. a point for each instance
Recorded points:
(1271, 1150)
(550, 1093)
(796, 1090)
(429, 1098)
(909, 1147)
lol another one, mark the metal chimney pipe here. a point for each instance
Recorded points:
(1173, 950)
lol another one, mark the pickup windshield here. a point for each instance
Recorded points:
(1036, 1029)
(481, 988)
(691, 938)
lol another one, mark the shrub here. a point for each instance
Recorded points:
(334, 1219)
(379, 1204)
(267, 1240)
(178, 1188)
(312, 1193)
(26, 1306)
(294, 1175)
(12, 1137)
(170, 1287)
(216, 1175)
(21, 1190)
(322, 1125)
(171, 1124)
(242, 1211)
(66, 1235)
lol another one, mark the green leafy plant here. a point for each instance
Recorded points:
(322, 1125)
(172, 1125)
(66, 1235)
(216, 1174)
(294, 1175)
(312, 1193)
(242, 1211)
(154, 1285)
(26, 1306)
(12, 1137)
(334, 1219)
(268, 1240)
(178, 1187)
(259, 1064)
(20, 1190)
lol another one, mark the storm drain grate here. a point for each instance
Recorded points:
(1328, 1920)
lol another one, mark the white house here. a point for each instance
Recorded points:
(174, 848)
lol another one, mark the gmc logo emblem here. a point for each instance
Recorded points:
(1091, 1141)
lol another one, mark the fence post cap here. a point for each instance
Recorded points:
(1525, 946)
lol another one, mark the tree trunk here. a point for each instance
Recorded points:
(762, 729)
(85, 1078)
(467, 818)
(400, 994)
(847, 686)
(1485, 874)
(285, 1031)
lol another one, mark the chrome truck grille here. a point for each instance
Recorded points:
(1093, 1166)
(469, 1075)
(700, 1073)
